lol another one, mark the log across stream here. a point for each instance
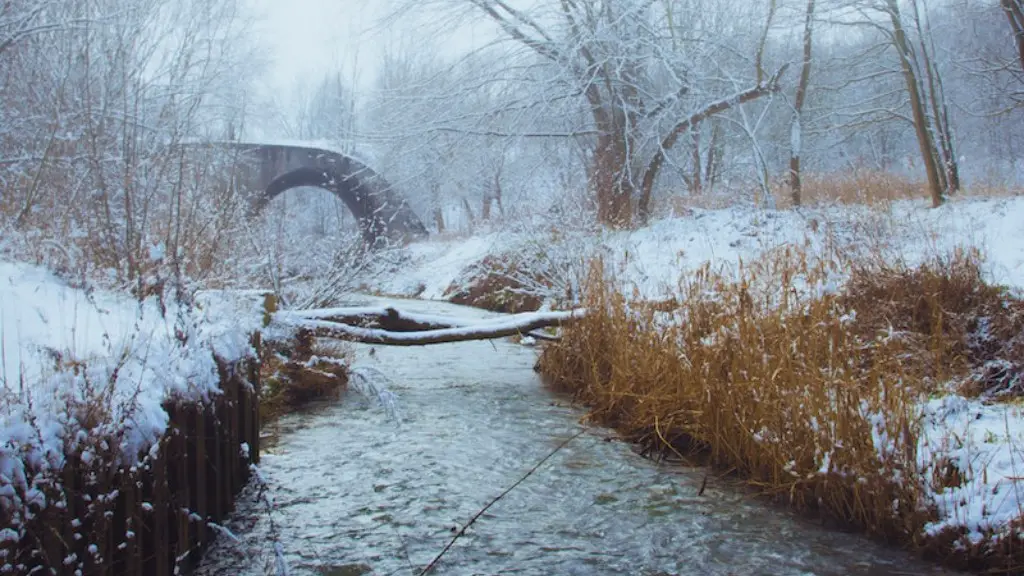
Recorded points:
(353, 488)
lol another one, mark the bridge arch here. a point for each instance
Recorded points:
(269, 170)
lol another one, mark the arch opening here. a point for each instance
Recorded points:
(345, 188)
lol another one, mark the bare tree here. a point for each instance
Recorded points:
(639, 94)
(796, 129)
(1014, 10)
(97, 96)
(911, 42)
(933, 135)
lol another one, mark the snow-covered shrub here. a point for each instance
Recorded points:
(543, 266)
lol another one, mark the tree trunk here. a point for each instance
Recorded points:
(469, 211)
(1014, 10)
(716, 151)
(796, 130)
(925, 138)
(940, 110)
(610, 178)
(696, 182)
(439, 219)
(498, 194)
(485, 209)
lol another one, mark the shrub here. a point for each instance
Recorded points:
(496, 284)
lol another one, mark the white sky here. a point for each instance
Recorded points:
(306, 39)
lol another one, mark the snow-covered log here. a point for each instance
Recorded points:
(389, 326)
(385, 318)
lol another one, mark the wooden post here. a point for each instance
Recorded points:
(163, 544)
(182, 499)
(201, 501)
(221, 496)
(235, 427)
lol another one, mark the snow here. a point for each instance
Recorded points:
(371, 311)
(437, 263)
(457, 330)
(984, 442)
(63, 349)
(318, 144)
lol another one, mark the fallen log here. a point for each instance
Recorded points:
(385, 318)
(361, 325)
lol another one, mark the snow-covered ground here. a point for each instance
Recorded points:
(653, 258)
(62, 346)
(65, 352)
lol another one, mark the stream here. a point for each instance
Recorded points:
(354, 488)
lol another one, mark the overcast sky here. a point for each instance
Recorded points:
(307, 39)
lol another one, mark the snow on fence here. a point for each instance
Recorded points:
(118, 455)
(149, 518)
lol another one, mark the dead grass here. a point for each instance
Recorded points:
(806, 391)
(863, 187)
(960, 328)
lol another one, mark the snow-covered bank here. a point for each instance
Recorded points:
(652, 258)
(122, 423)
(77, 366)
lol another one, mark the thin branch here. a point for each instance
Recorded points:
(433, 563)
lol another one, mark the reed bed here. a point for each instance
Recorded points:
(804, 376)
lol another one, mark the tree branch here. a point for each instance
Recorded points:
(717, 107)
(542, 48)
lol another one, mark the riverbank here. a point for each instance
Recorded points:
(126, 426)
(873, 395)
(547, 261)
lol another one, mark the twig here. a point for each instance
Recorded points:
(280, 563)
(472, 520)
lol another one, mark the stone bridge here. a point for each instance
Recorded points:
(268, 170)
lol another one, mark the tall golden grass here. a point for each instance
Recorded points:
(804, 387)
(866, 187)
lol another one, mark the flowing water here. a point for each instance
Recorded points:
(353, 488)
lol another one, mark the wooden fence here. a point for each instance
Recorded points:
(103, 518)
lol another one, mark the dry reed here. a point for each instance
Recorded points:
(806, 388)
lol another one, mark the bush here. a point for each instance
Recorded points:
(496, 284)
